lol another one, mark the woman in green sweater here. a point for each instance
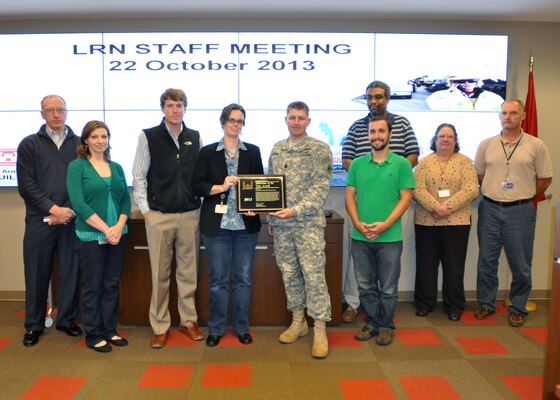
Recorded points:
(99, 196)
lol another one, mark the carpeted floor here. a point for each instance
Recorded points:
(431, 358)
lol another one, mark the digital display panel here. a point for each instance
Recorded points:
(119, 77)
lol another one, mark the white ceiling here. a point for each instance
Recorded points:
(489, 10)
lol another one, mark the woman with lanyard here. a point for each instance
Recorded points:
(229, 237)
(446, 184)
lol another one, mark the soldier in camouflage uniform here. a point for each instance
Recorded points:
(298, 230)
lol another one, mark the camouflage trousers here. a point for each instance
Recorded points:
(300, 255)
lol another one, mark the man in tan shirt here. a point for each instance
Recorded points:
(513, 168)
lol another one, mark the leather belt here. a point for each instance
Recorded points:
(507, 203)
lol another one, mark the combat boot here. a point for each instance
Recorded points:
(297, 329)
(320, 341)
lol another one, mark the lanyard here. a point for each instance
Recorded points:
(442, 169)
(510, 154)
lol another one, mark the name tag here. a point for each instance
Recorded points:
(444, 193)
(221, 209)
(508, 185)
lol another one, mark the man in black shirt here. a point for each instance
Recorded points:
(42, 164)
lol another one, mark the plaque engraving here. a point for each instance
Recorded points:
(261, 193)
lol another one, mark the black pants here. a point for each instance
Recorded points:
(101, 272)
(448, 245)
(40, 242)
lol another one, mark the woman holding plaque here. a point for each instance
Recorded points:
(229, 237)
(446, 184)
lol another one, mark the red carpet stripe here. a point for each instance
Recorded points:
(54, 388)
(167, 376)
(417, 337)
(227, 375)
(360, 389)
(5, 342)
(526, 387)
(539, 334)
(481, 346)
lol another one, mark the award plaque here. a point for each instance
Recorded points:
(261, 193)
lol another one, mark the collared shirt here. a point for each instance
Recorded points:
(142, 165)
(378, 191)
(175, 138)
(232, 220)
(56, 138)
(530, 160)
(403, 140)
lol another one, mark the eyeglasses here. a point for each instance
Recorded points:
(234, 121)
(53, 110)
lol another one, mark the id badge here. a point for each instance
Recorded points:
(221, 209)
(444, 193)
(508, 185)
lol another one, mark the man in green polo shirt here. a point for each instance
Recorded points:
(378, 192)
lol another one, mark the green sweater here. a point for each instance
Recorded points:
(89, 194)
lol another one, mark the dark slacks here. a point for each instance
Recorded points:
(40, 242)
(101, 272)
(448, 245)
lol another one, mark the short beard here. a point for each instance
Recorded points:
(380, 148)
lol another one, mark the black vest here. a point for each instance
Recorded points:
(171, 170)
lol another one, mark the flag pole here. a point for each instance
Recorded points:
(530, 126)
(531, 306)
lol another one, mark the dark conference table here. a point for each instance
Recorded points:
(268, 301)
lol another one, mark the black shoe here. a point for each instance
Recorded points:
(106, 348)
(121, 342)
(454, 316)
(31, 338)
(422, 312)
(70, 330)
(245, 338)
(212, 340)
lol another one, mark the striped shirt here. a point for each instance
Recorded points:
(403, 140)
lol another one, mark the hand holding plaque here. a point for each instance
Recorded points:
(261, 193)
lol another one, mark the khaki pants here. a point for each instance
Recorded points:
(164, 232)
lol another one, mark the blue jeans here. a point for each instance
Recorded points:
(378, 268)
(101, 272)
(230, 256)
(512, 228)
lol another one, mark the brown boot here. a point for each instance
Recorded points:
(320, 341)
(297, 329)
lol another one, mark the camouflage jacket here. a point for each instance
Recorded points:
(307, 165)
